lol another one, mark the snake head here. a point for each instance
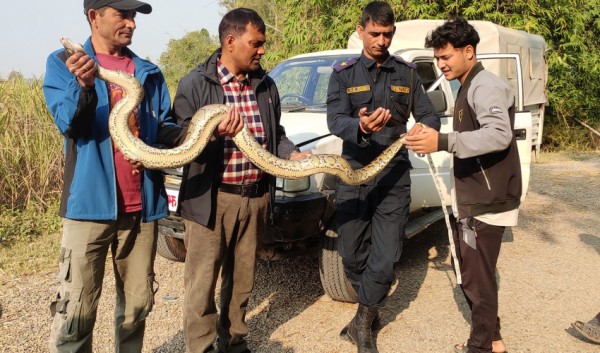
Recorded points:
(70, 46)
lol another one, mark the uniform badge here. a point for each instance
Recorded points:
(345, 64)
(358, 89)
(400, 89)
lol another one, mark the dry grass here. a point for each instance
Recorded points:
(30, 152)
(22, 258)
(563, 156)
(31, 162)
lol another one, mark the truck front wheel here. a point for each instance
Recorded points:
(331, 271)
(170, 247)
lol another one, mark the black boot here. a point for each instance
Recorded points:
(374, 327)
(359, 329)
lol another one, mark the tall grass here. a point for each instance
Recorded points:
(31, 162)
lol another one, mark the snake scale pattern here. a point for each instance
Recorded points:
(199, 133)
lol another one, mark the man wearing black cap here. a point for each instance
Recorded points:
(108, 202)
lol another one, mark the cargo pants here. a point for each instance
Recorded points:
(84, 249)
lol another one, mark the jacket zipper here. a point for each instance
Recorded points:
(484, 176)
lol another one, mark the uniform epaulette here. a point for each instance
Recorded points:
(402, 61)
(345, 64)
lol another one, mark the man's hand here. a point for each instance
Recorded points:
(299, 155)
(417, 129)
(137, 167)
(422, 140)
(231, 125)
(375, 121)
(83, 67)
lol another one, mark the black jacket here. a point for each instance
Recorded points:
(201, 178)
(488, 182)
(396, 86)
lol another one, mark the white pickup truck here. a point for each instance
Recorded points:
(304, 209)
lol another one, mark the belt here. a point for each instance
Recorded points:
(247, 190)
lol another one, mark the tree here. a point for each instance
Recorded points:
(182, 55)
(569, 27)
(270, 12)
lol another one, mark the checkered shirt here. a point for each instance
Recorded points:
(237, 168)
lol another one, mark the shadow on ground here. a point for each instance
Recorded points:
(273, 302)
(427, 249)
(298, 286)
(591, 240)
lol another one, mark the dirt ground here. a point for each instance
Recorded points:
(548, 273)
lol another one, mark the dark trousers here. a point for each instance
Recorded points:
(477, 249)
(231, 248)
(371, 220)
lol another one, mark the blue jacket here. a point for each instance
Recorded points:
(81, 116)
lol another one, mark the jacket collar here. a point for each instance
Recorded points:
(370, 63)
(142, 67)
(209, 70)
(474, 71)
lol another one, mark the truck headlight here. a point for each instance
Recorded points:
(297, 185)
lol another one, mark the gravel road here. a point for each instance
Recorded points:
(548, 273)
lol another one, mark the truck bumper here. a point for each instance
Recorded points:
(297, 218)
(294, 219)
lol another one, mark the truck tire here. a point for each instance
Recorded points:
(170, 248)
(331, 271)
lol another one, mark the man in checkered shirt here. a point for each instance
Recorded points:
(224, 198)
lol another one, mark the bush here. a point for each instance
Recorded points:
(25, 225)
(31, 161)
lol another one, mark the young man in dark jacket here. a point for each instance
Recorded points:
(487, 174)
(108, 203)
(224, 198)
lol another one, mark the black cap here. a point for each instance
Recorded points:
(138, 6)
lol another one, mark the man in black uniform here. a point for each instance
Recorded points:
(369, 101)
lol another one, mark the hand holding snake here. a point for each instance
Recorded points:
(201, 128)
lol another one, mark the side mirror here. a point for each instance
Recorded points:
(438, 99)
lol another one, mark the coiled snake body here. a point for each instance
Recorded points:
(199, 133)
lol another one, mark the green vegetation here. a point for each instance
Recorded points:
(30, 168)
(27, 255)
(569, 27)
(31, 159)
(182, 55)
(30, 153)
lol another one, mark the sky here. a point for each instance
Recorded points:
(30, 30)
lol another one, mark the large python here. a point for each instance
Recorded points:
(199, 133)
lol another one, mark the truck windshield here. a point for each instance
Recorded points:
(302, 82)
